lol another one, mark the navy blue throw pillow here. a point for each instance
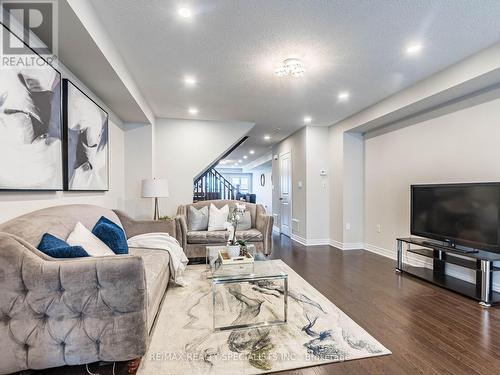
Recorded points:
(112, 235)
(57, 248)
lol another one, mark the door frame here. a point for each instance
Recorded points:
(290, 194)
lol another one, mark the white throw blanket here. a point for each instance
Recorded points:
(162, 241)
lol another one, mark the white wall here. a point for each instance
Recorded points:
(184, 148)
(138, 162)
(317, 193)
(459, 147)
(264, 193)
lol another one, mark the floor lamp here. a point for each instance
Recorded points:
(155, 188)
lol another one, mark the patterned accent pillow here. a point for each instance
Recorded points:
(198, 219)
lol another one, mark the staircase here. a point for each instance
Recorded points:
(212, 185)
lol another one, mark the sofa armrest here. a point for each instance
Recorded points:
(184, 230)
(134, 227)
(69, 312)
(264, 224)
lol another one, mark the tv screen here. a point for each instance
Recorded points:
(464, 214)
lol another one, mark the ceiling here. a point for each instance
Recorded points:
(77, 46)
(233, 46)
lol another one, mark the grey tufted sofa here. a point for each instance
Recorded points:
(57, 312)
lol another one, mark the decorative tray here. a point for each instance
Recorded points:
(226, 259)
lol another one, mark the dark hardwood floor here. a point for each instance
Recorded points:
(428, 329)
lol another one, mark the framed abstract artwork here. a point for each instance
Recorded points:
(31, 132)
(86, 136)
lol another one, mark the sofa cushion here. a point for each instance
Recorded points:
(251, 235)
(197, 219)
(112, 235)
(156, 266)
(246, 222)
(217, 217)
(81, 236)
(220, 237)
(57, 248)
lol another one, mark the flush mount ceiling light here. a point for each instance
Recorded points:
(307, 119)
(291, 67)
(184, 12)
(267, 137)
(193, 111)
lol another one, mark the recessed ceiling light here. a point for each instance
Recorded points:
(414, 49)
(307, 119)
(185, 12)
(245, 157)
(193, 111)
(240, 161)
(252, 152)
(267, 137)
(343, 95)
(190, 80)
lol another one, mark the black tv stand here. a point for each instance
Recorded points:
(451, 246)
(479, 261)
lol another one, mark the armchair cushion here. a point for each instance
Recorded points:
(198, 219)
(112, 235)
(57, 248)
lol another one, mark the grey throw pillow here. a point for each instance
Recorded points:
(198, 219)
(246, 223)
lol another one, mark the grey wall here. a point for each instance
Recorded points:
(459, 147)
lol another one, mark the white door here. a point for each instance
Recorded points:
(285, 193)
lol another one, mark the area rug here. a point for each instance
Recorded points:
(317, 332)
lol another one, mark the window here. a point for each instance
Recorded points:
(242, 183)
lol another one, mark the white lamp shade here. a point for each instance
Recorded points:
(155, 188)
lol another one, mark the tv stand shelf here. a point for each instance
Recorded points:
(481, 262)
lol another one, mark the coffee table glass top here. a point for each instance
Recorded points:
(256, 270)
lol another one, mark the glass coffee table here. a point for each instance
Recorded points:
(260, 270)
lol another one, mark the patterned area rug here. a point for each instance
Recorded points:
(317, 332)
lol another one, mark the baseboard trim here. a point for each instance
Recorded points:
(346, 246)
(310, 242)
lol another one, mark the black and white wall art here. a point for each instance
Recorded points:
(86, 134)
(31, 142)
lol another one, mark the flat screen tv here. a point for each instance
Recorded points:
(459, 214)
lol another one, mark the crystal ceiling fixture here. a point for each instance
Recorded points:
(291, 67)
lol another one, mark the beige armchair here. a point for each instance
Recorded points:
(195, 242)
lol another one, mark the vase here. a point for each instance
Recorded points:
(233, 250)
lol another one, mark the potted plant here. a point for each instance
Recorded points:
(235, 217)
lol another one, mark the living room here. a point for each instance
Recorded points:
(220, 187)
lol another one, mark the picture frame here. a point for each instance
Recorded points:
(86, 134)
(31, 131)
